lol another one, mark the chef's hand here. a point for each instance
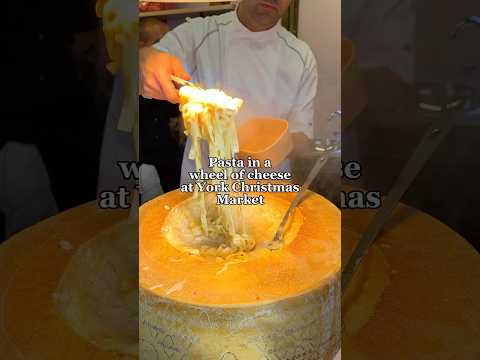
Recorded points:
(156, 68)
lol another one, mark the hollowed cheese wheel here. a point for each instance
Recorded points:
(32, 264)
(284, 303)
(415, 295)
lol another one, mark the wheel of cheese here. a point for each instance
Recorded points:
(415, 295)
(32, 265)
(97, 295)
(281, 304)
(360, 299)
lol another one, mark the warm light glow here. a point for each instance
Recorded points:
(210, 98)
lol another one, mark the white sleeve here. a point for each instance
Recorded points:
(302, 114)
(180, 42)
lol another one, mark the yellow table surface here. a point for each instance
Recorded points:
(31, 264)
(431, 308)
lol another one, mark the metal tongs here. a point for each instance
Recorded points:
(182, 82)
(434, 136)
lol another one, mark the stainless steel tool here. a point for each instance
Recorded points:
(325, 149)
(432, 139)
(277, 243)
(182, 82)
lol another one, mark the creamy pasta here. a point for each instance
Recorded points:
(210, 115)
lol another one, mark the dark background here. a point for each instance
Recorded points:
(56, 91)
(161, 140)
(384, 136)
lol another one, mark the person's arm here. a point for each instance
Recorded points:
(172, 55)
(156, 69)
(180, 42)
(302, 115)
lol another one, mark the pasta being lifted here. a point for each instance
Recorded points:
(210, 115)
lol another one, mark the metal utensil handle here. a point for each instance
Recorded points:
(183, 82)
(432, 139)
(321, 161)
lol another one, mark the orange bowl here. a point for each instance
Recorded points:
(265, 138)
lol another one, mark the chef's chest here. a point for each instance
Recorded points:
(268, 83)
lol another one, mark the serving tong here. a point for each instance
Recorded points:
(277, 241)
(325, 149)
(183, 82)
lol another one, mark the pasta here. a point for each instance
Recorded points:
(210, 115)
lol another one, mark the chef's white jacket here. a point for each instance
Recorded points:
(273, 71)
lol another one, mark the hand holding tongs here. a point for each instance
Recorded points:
(182, 82)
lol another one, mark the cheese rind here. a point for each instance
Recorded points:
(284, 302)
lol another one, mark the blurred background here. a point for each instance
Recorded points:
(408, 64)
(415, 294)
(55, 99)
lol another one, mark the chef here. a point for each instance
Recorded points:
(151, 30)
(247, 54)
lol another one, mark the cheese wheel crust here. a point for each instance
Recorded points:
(284, 304)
